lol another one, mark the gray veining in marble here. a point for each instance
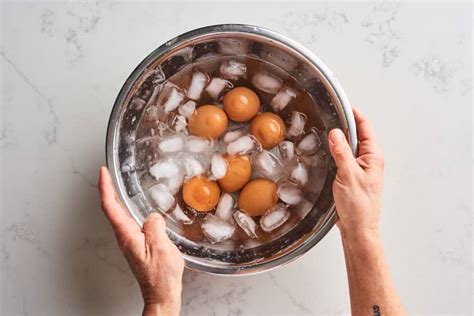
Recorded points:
(407, 65)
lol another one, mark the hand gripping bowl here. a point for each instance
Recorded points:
(332, 110)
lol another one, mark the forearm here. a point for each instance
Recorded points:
(371, 289)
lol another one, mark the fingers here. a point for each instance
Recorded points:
(155, 231)
(365, 133)
(117, 215)
(341, 151)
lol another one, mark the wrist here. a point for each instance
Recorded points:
(360, 238)
(158, 309)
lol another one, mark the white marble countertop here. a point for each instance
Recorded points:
(408, 66)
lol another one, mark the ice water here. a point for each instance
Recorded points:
(166, 155)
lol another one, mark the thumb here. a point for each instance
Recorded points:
(155, 230)
(341, 151)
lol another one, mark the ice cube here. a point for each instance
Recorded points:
(232, 135)
(165, 169)
(267, 164)
(192, 167)
(170, 98)
(162, 196)
(282, 99)
(266, 82)
(299, 174)
(172, 144)
(197, 144)
(298, 121)
(274, 217)
(217, 86)
(179, 123)
(127, 165)
(218, 166)
(225, 207)
(175, 183)
(241, 145)
(187, 109)
(216, 229)
(233, 69)
(246, 222)
(310, 144)
(198, 82)
(287, 150)
(179, 215)
(289, 193)
(232, 46)
(137, 103)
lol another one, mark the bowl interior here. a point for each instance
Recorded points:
(314, 217)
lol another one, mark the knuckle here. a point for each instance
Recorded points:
(340, 150)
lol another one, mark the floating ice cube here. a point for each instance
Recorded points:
(137, 103)
(274, 217)
(162, 196)
(218, 166)
(187, 109)
(310, 144)
(170, 98)
(267, 164)
(192, 167)
(287, 150)
(246, 222)
(179, 123)
(197, 144)
(127, 165)
(179, 215)
(217, 86)
(165, 169)
(241, 145)
(299, 174)
(175, 183)
(232, 46)
(266, 82)
(172, 144)
(298, 121)
(233, 69)
(282, 99)
(216, 229)
(232, 135)
(154, 96)
(289, 193)
(198, 82)
(225, 207)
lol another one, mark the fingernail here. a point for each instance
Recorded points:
(336, 136)
(152, 215)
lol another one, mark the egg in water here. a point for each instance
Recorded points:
(208, 121)
(258, 196)
(241, 104)
(201, 194)
(238, 173)
(268, 128)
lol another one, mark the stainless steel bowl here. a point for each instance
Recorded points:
(333, 111)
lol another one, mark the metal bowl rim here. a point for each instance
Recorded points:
(234, 28)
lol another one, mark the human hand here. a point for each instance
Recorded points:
(154, 260)
(357, 188)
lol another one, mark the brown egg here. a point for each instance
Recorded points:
(268, 128)
(238, 173)
(201, 194)
(208, 121)
(241, 104)
(258, 196)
